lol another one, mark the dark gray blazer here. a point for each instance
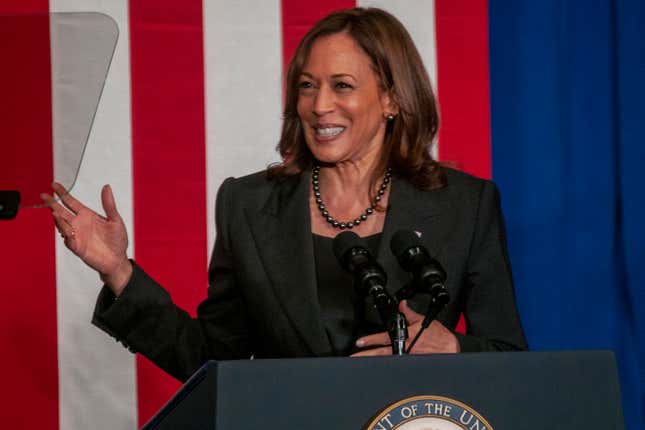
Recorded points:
(262, 295)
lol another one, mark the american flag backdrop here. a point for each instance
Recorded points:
(194, 95)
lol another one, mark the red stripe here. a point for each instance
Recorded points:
(169, 167)
(28, 305)
(299, 16)
(463, 86)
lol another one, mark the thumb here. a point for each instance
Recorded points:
(410, 315)
(109, 205)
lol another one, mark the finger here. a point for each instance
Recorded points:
(51, 203)
(109, 205)
(373, 340)
(65, 229)
(65, 216)
(60, 224)
(410, 315)
(56, 208)
(373, 352)
(70, 202)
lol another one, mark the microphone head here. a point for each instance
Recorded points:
(343, 243)
(408, 249)
(355, 257)
(402, 241)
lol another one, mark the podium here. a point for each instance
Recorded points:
(518, 390)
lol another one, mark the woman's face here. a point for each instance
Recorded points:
(340, 102)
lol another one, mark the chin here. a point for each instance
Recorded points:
(329, 154)
(325, 158)
(325, 153)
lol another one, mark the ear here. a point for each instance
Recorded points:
(389, 104)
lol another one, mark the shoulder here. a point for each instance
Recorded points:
(252, 184)
(461, 180)
(462, 193)
(250, 181)
(474, 195)
(256, 188)
(259, 182)
(465, 186)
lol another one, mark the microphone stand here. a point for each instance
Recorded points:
(398, 331)
(395, 323)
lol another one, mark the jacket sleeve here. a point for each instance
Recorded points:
(492, 320)
(145, 319)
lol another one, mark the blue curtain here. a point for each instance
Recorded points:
(568, 137)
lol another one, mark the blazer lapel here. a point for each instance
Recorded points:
(282, 231)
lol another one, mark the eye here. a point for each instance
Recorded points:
(305, 85)
(343, 86)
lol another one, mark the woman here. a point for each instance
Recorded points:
(360, 118)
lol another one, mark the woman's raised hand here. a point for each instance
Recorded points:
(100, 241)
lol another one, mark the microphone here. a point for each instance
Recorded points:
(427, 274)
(354, 256)
(370, 279)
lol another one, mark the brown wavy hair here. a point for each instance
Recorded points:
(396, 61)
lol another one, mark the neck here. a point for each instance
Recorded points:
(347, 178)
(347, 203)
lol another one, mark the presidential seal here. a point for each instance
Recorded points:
(429, 413)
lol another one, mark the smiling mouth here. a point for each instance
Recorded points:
(329, 131)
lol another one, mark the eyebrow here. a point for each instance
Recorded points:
(335, 76)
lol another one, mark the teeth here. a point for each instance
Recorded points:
(331, 131)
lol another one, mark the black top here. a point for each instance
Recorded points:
(342, 310)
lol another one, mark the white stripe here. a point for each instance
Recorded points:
(243, 73)
(418, 17)
(97, 380)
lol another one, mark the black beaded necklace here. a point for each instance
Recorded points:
(315, 182)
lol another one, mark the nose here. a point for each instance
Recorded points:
(324, 101)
